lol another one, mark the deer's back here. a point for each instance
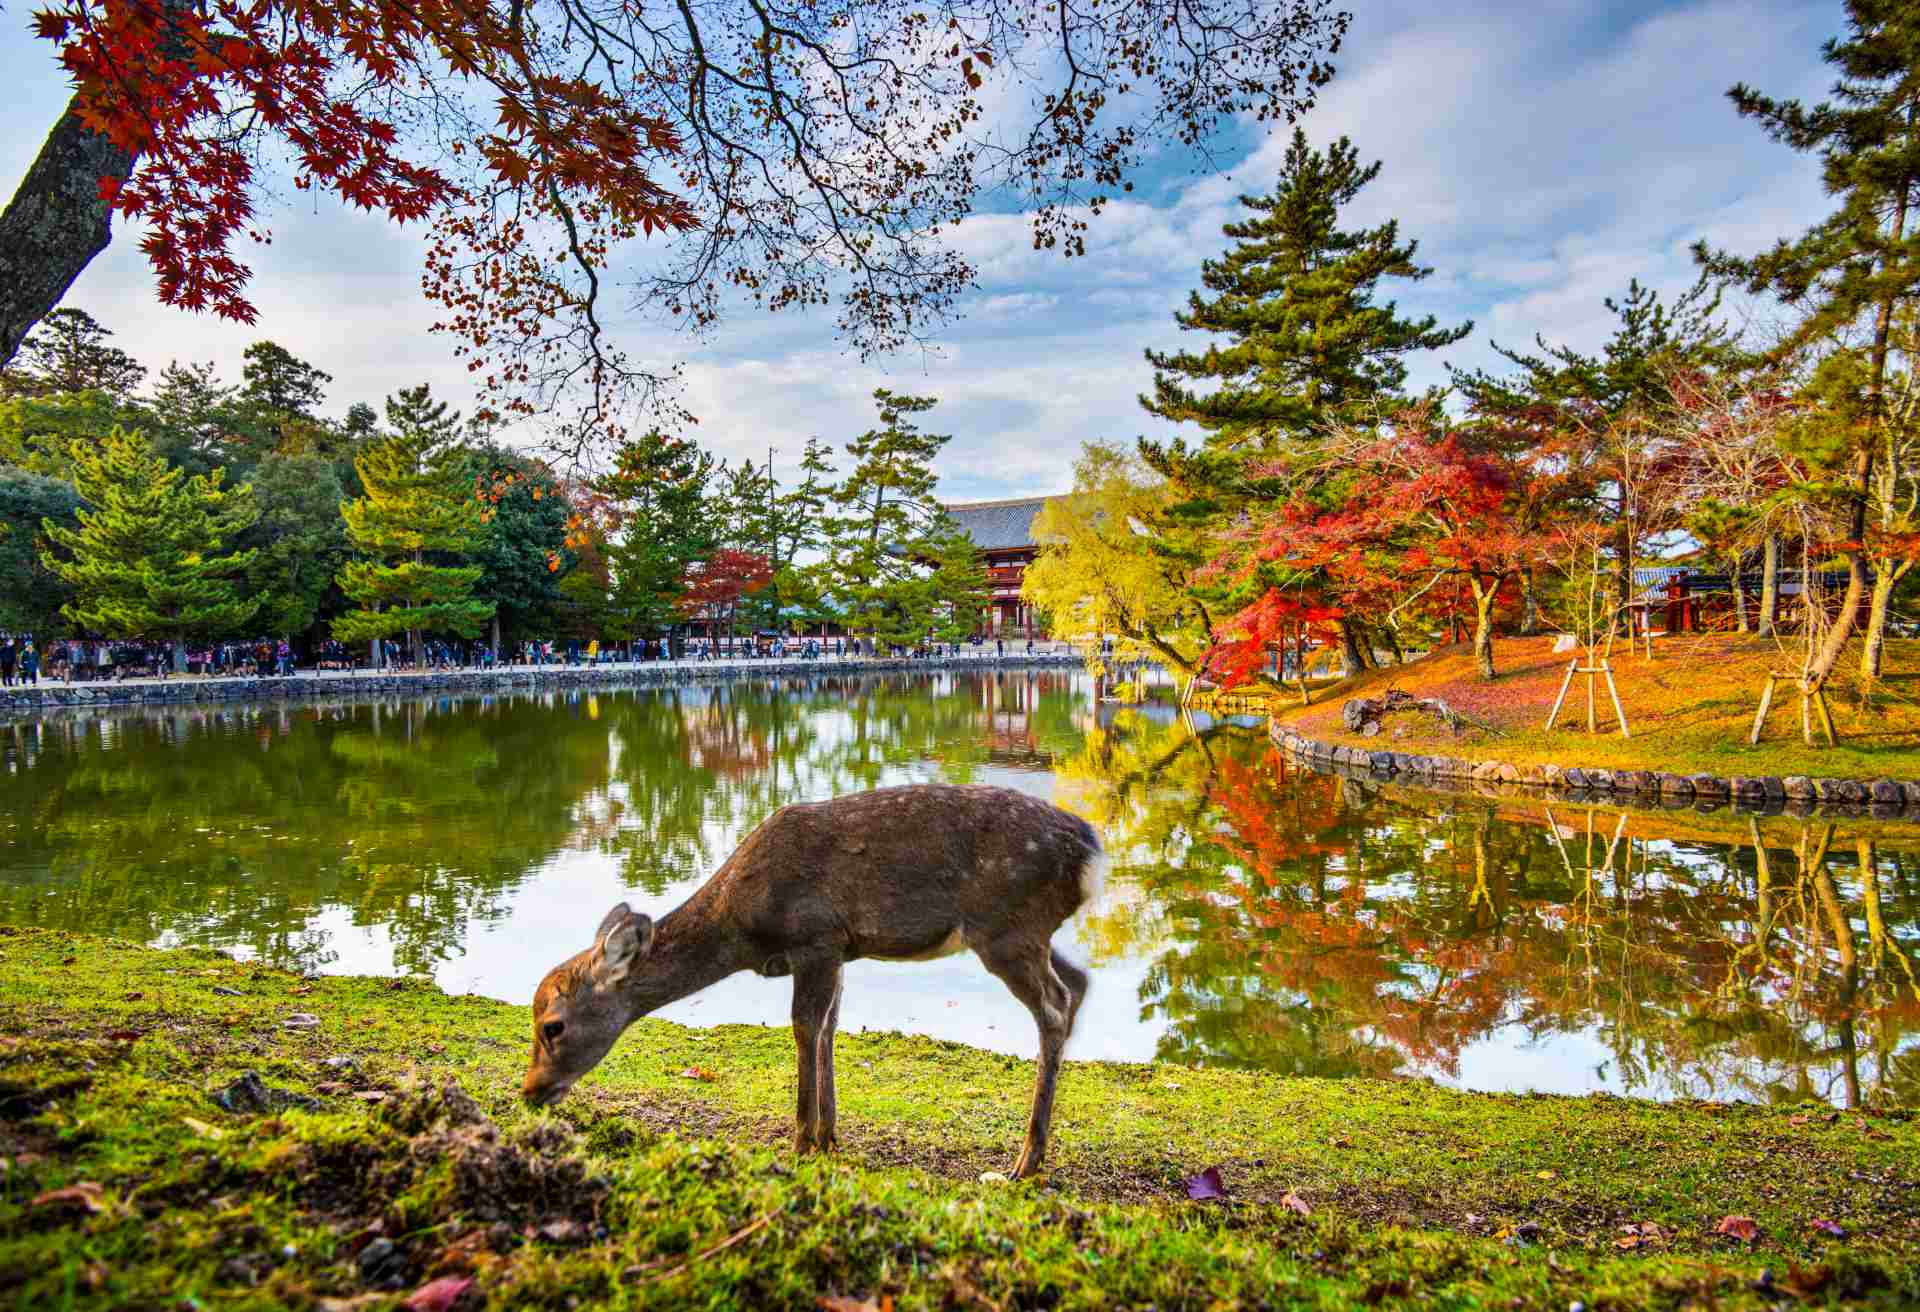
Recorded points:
(898, 872)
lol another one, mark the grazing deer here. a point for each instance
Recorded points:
(900, 874)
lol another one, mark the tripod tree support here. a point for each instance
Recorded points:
(1809, 702)
(1603, 670)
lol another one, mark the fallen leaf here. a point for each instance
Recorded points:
(1738, 1227)
(1343, 1142)
(1544, 1175)
(841, 1303)
(68, 961)
(1206, 1186)
(436, 1048)
(330, 1087)
(125, 1036)
(134, 997)
(301, 991)
(1295, 1202)
(993, 1177)
(202, 1129)
(85, 1195)
(1798, 1120)
(1832, 1229)
(437, 1295)
(562, 1231)
(700, 1073)
(371, 1095)
(301, 1020)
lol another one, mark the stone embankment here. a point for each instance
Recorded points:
(1760, 794)
(47, 696)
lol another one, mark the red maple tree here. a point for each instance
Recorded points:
(714, 586)
(810, 154)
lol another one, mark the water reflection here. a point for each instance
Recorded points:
(1258, 917)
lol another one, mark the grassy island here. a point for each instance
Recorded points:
(382, 1148)
(1690, 709)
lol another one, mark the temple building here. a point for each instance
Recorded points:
(1003, 532)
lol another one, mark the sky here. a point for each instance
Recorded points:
(1541, 153)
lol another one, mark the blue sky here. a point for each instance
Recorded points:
(1542, 154)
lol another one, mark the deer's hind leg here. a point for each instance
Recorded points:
(816, 1009)
(1032, 972)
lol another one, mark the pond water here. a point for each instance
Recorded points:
(1256, 917)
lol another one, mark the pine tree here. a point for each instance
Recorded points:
(1310, 347)
(1861, 263)
(1310, 344)
(416, 501)
(280, 381)
(68, 352)
(879, 543)
(660, 488)
(145, 560)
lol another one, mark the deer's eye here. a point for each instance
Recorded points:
(552, 1030)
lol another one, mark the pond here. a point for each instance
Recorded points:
(1256, 917)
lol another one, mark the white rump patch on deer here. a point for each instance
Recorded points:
(1093, 878)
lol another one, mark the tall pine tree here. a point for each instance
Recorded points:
(417, 500)
(1310, 345)
(885, 541)
(660, 489)
(145, 559)
(1859, 266)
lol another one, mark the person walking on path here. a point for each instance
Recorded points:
(29, 664)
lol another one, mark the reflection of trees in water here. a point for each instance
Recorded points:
(249, 825)
(1299, 923)
(241, 826)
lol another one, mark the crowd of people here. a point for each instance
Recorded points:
(25, 662)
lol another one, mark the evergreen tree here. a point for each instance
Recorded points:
(660, 489)
(416, 500)
(300, 540)
(31, 594)
(1571, 407)
(198, 415)
(413, 410)
(1311, 346)
(522, 553)
(68, 352)
(279, 381)
(883, 537)
(1859, 265)
(145, 558)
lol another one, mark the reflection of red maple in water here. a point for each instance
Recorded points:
(1432, 949)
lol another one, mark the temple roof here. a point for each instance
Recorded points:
(997, 525)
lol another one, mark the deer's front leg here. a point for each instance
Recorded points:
(816, 994)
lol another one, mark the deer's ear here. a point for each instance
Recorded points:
(612, 918)
(620, 948)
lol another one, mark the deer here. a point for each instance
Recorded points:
(896, 874)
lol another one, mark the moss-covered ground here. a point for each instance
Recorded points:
(405, 1159)
(1690, 709)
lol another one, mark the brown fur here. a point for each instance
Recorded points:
(899, 873)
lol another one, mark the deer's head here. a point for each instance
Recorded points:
(581, 1007)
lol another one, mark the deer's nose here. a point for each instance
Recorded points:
(543, 1093)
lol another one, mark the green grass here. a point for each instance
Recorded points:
(1419, 1197)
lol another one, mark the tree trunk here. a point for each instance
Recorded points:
(1529, 605)
(1737, 584)
(1350, 647)
(1880, 604)
(1828, 655)
(1769, 584)
(1623, 572)
(54, 225)
(1483, 626)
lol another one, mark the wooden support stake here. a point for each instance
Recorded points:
(1614, 693)
(1565, 683)
(1760, 716)
(1592, 725)
(1826, 719)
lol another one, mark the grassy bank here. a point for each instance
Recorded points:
(1690, 709)
(664, 1181)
